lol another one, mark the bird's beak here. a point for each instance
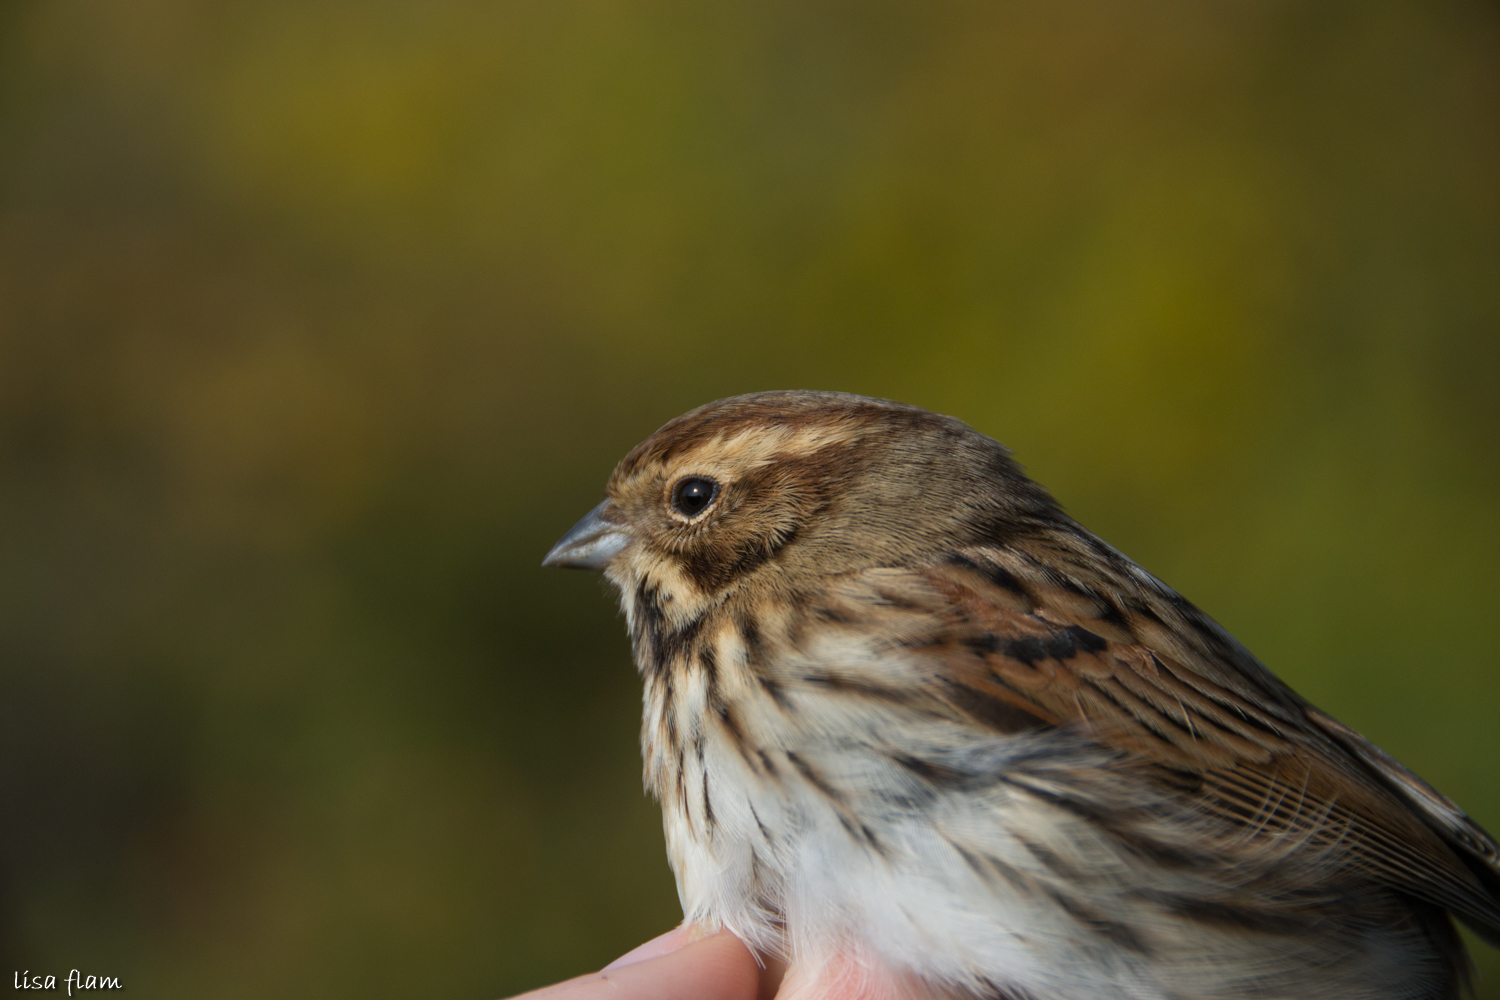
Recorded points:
(591, 543)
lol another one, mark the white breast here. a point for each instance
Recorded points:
(810, 840)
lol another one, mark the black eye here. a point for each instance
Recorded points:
(691, 496)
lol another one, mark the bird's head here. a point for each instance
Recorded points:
(772, 488)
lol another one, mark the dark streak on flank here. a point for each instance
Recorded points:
(990, 990)
(910, 801)
(864, 689)
(1116, 932)
(1233, 916)
(970, 858)
(1050, 860)
(861, 832)
(989, 867)
(732, 727)
(708, 806)
(813, 778)
(773, 689)
(1161, 853)
(930, 772)
(1082, 808)
(765, 834)
(756, 658)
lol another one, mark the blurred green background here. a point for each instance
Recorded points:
(320, 321)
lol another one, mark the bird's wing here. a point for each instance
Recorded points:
(1019, 642)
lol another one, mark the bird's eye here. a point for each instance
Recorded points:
(691, 496)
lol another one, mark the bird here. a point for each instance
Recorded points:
(915, 732)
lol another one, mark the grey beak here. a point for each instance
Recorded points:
(591, 543)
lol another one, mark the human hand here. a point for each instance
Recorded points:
(671, 967)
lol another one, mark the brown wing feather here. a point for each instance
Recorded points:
(1149, 675)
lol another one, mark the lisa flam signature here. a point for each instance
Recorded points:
(74, 980)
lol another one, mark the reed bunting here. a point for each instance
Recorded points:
(920, 734)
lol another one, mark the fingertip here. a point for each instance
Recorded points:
(727, 967)
(716, 968)
(657, 947)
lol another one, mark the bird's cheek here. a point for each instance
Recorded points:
(629, 568)
(642, 568)
(680, 594)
